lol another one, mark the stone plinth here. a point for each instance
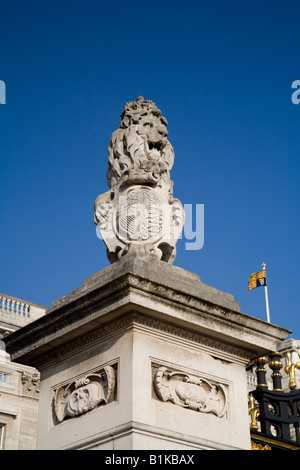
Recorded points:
(143, 356)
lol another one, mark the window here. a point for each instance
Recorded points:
(4, 378)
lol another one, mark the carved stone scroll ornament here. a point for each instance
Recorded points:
(85, 394)
(138, 214)
(190, 392)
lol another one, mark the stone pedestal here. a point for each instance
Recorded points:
(143, 356)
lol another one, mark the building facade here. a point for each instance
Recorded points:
(19, 384)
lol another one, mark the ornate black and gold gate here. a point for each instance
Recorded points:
(275, 414)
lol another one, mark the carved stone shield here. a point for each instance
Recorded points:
(140, 216)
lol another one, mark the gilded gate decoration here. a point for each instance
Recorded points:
(275, 414)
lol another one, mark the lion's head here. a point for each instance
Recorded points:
(139, 151)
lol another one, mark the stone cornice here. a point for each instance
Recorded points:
(136, 321)
(173, 296)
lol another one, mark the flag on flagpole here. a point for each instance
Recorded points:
(257, 280)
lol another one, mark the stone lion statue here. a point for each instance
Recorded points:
(139, 151)
(139, 215)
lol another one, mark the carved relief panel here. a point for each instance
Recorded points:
(190, 391)
(30, 383)
(85, 394)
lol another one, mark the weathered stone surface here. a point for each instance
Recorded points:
(143, 355)
(165, 293)
(139, 214)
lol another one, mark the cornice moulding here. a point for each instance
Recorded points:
(167, 294)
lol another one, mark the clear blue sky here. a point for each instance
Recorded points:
(221, 72)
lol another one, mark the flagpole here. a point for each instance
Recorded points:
(266, 296)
